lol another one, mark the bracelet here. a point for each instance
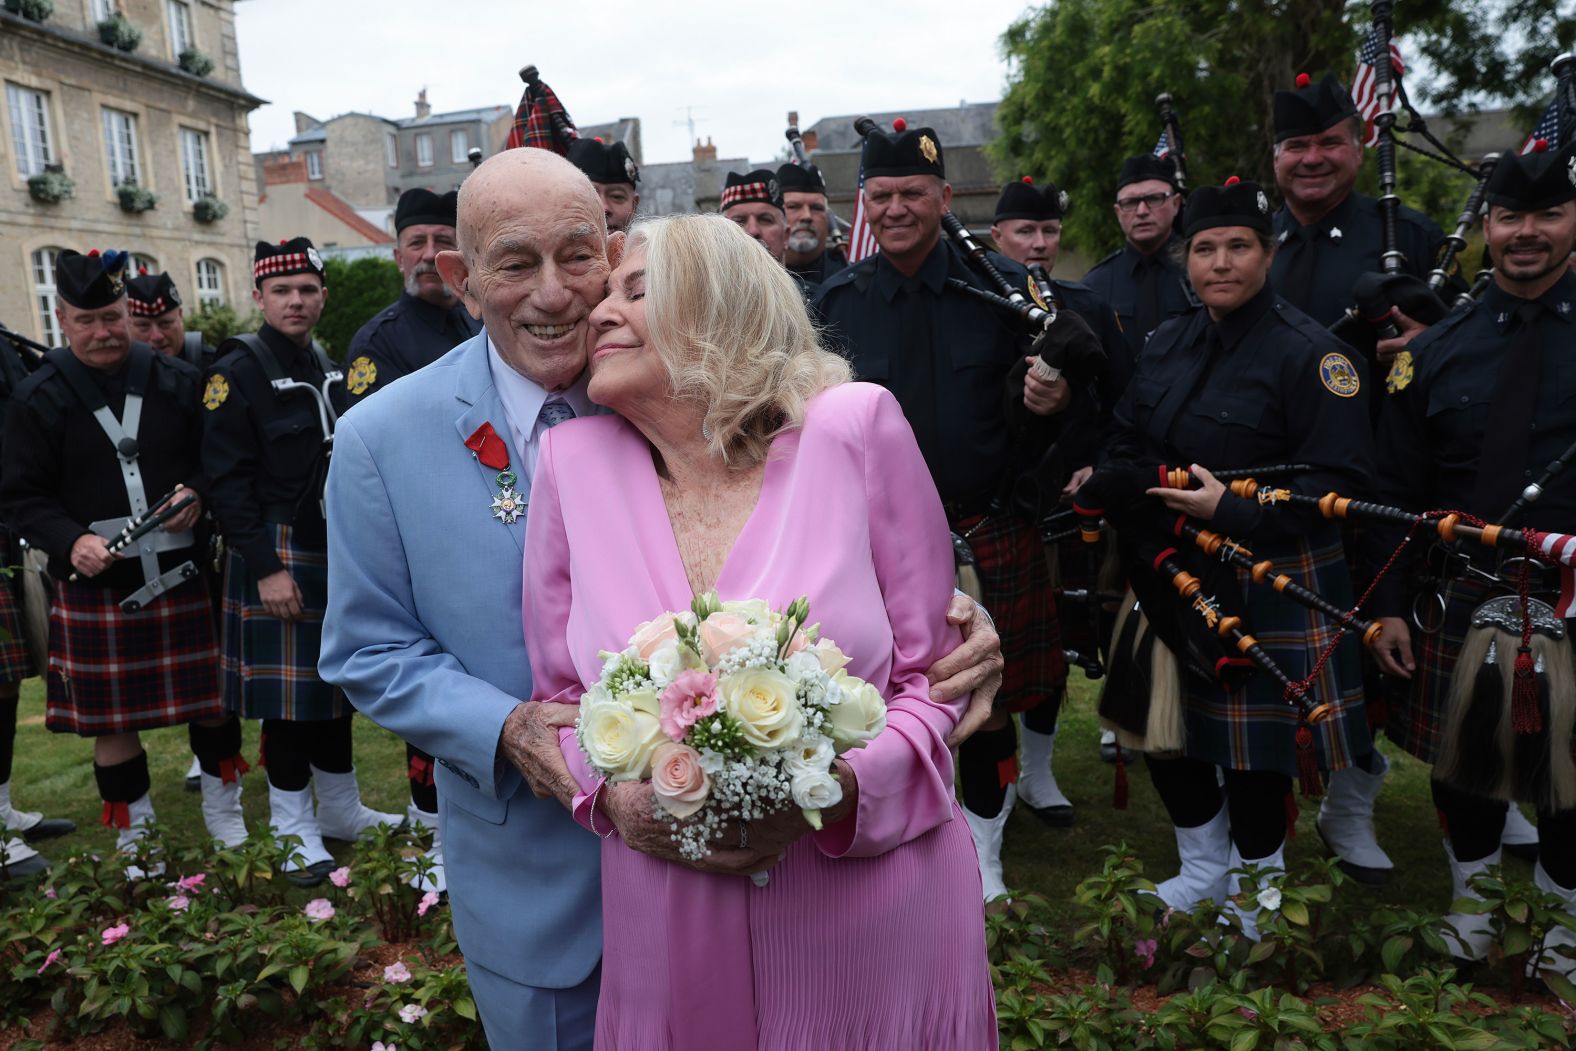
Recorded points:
(594, 797)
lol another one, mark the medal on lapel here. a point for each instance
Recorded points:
(493, 453)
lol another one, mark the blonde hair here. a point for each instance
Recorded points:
(732, 331)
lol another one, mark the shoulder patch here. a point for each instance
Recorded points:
(214, 394)
(1401, 372)
(1338, 376)
(362, 374)
(1035, 294)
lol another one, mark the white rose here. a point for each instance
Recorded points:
(816, 791)
(832, 659)
(754, 610)
(859, 717)
(666, 663)
(804, 666)
(813, 755)
(763, 703)
(620, 737)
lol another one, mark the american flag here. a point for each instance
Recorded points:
(1365, 85)
(1163, 146)
(1548, 128)
(861, 240)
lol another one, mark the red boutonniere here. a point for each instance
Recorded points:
(493, 452)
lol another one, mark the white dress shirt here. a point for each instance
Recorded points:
(522, 405)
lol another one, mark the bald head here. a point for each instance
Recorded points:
(532, 260)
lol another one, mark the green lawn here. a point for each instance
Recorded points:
(54, 774)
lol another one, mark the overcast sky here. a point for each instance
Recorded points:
(741, 66)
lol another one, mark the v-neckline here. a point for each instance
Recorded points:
(676, 579)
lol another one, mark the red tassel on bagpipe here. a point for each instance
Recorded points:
(117, 814)
(231, 769)
(1525, 716)
(1119, 792)
(1309, 781)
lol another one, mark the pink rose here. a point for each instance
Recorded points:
(689, 698)
(653, 633)
(722, 632)
(114, 934)
(797, 643)
(680, 784)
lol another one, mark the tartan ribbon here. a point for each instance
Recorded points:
(231, 769)
(534, 124)
(421, 770)
(284, 263)
(117, 814)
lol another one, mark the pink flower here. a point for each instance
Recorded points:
(191, 883)
(54, 954)
(412, 1013)
(1145, 948)
(797, 643)
(653, 633)
(428, 900)
(689, 698)
(1248, 1013)
(319, 909)
(378, 1045)
(49, 892)
(396, 973)
(681, 786)
(178, 903)
(722, 632)
(340, 877)
(114, 934)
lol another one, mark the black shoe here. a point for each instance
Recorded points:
(313, 875)
(1055, 816)
(1366, 876)
(24, 870)
(1527, 852)
(194, 784)
(49, 828)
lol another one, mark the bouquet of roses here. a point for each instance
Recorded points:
(732, 710)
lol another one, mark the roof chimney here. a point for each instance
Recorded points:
(793, 118)
(423, 110)
(708, 152)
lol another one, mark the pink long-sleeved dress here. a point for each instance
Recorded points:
(869, 933)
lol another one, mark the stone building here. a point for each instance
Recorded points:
(151, 141)
(294, 205)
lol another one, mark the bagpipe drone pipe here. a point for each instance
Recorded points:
(1510, 712)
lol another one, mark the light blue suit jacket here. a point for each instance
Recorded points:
(423, 633)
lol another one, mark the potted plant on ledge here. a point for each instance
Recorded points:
(209, 209)
(32, 10)
(51, 186)
(135, 198)
(195, 62)
(119, 33)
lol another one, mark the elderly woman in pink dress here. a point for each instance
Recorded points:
(742, 460)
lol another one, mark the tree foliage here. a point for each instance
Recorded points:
(356, 291)
(219, 321)
(1083, 76)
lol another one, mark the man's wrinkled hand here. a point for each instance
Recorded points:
(90, 555)
(630, 805)
(529, 741)
(974, 667)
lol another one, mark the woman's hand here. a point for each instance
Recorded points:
(1199, 503)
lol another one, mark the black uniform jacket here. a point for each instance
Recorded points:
(1432, 428)
(59, 471)
(1264, 386)
(1347, 242)
(264, 450)
(1117, 279)
(407, 335)
(955, 364)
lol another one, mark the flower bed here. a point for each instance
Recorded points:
(220, 951)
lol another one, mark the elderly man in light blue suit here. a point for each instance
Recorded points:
(423, 625)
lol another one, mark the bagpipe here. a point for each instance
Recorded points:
(1171, 131)
(1185, 613)
(1511, 706)
(30, 352)
(540, 120)
(139, 526)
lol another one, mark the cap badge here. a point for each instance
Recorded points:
(315, 259)
(1335, 234)
(173, 296)
(771, 188)
(629, 168)
(117, 284)
(927, 148)
(1570, 170)
(1264, 203)
(1062, 200)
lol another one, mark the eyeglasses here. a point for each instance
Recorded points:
(1153, 200)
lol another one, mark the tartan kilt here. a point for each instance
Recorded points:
(1252, 727)
(112, 672)
(270, 666)
(1015, 587)
(1417, 714)
(15, 662)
